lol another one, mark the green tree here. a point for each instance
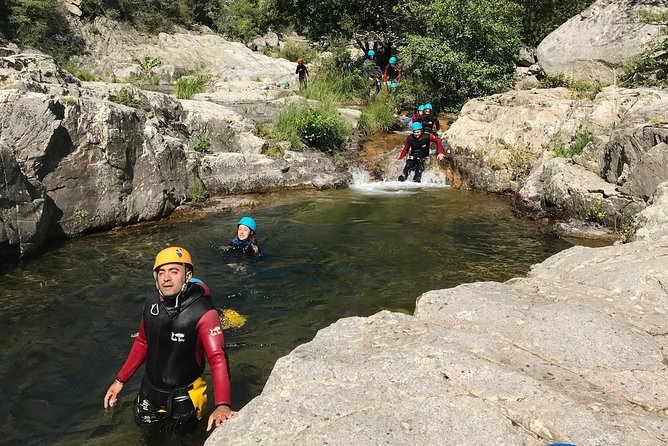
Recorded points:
(469, 51)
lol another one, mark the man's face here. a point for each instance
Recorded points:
(243, 232)
(171, 277)
(417, 133)
(427, 112)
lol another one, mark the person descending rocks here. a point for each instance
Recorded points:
(244, 243)
(371, 70)
(179, 328)
(430, 122)
(417, 149)
(392, 73)
(417, 116)
(302, 72)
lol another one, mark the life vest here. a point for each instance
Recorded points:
(419, 147)
(428, 123)
(172, 337)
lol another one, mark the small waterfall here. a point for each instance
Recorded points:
(432, 177)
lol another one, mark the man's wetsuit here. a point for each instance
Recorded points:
(174, 335)
(392, 73)
(419, 151)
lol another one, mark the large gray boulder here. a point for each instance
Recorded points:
(561, 189)
(114, 49)
(596, 42)
(572, 353)
(652, 222)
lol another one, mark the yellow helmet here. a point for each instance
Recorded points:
(173, 254)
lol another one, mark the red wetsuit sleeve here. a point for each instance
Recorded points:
(136, 356)
(211, 337)
(399, 76)
(385, 73)
(404, 151)
(439, 145)
(414, 118)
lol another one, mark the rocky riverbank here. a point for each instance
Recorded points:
(574, 352)
(80, 157)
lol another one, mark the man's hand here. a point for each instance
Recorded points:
(219, 416)
(440, 156)
(112, 394)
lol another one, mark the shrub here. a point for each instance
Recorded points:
(378, 116)
(187, 86)
(203, 144)
(77, 72)
(596, 213)
(292, 50)
(80, 213)
(581, 89)
(576, 147)
(240, 20)
(198, 191)
(521, 161)
(126, 97)
(274, 151)
(320, 126)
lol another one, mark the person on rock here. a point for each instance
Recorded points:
(392, 73)
(179, 329)
(372, 71)
(302, 73)
(244, 243)
(417, 116)
(417, 149)
(430, 122)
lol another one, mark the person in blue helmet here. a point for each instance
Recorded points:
(244, 243)
(430, 122)
(371, 70)
(417, 117)
(417, 149)
(392, 73)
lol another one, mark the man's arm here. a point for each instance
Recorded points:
(439, 146)
(404, 150)
(211, 337)
(134, 360)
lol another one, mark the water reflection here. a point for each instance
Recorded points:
(66, 317)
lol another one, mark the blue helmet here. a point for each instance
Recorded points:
(248, 221)
(393, 59)
(393, 85)
(371, 53)
(428, 107)
(421, 108)
(416, 126)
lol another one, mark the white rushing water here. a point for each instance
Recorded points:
(432, 177)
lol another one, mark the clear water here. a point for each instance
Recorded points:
(66, 317)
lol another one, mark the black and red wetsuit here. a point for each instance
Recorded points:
(430, 123)
(174, 336)
(419, 151)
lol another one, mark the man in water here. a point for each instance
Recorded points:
(179, 326)
(418, 144)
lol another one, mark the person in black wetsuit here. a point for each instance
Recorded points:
(430, 122)
(302, 72)
(244, 243)
(417, 149)
(180, 327)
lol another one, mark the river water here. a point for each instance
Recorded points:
(67, 316)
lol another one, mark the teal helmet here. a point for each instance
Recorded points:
(393, 59)
(248, 221)
(428, 107)
(416, 126)
(421, 108)
(393, 85)
(371, 53)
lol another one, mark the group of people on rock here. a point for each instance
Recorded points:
(424, 131)
(179, 327)
(390, 75)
